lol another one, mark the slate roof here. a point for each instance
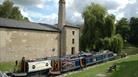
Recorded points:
(72, 26)
(10, 23)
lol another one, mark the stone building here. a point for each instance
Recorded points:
(34, 40)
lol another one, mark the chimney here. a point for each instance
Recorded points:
(61, 14)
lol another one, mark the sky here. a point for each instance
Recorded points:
(46, 11)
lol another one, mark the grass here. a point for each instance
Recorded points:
(7, 66)
(130, 50)
(126, 67)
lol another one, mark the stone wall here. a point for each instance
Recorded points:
(16, 43)
(70, 34)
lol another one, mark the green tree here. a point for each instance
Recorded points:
(134, 30)
(99, 31)
(110, 28)
(114, 43)
(107, 43)
(94, 16)
(123, 28)
(117, 43)
(7, 10)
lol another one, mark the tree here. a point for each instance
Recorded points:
(7, 10)
(99, 31)
(134, 30)
(117, 43)
(110, 28)
(123, 28)
(94, 16)
(114, 43)
(107, 43)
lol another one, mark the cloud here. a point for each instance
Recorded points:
(28, 2)
(30, 14)
(120, 8)
(131, 10)
(77, 7)
(50, 19)
(39, 17)
(74, 18)
(128, 9)
(36, 3)
(1, 1)
(46, 11)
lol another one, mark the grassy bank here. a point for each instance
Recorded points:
(126, 67)
(7, 66)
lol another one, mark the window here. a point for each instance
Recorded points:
(46, 64)
(73, 41)
(73, 32)
(73, 50)
(33, 67)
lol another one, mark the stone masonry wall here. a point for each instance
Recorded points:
(69, 36)
(18, 43)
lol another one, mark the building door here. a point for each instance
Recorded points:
(73, 50)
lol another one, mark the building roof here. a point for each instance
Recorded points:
(72, 26)
(10, 23)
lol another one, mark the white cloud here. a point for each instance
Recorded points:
(69, 3)
(74, 9)
(28, 2)
(42, 5)
(122, 3)
(34, 14)
(1, 1)
(25, 14)
(120, 15)
(113, 6)
(130, 9)
(137, 11)
(50, 19)
(132, 1)
(25, 3)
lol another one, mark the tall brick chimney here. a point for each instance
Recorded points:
(61, 14)
(61, 23)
